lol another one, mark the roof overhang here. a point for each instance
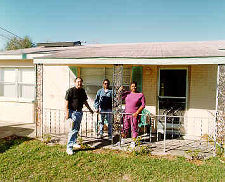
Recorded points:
(21, 56)
(131, 61)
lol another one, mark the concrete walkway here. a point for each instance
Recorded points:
(14, 128)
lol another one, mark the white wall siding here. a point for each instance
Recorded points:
(202, 100)
(16, 112)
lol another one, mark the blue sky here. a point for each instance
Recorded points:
(112, 21)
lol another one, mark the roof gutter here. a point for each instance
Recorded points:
(130, 61)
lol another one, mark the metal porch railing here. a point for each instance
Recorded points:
(153, 128)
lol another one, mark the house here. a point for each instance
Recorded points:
(18, 81)
(178, 76)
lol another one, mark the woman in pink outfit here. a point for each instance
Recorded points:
(134, 104)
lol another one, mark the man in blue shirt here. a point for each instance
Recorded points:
(103, 104)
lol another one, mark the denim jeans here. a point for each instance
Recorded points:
(76, 120)
(108, 117)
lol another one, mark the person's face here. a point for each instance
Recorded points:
(133, 87)
(78, 83)
(105, 84)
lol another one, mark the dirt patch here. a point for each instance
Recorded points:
(106, 151)
(126, 177)
(101, 151)
(222, 160)
(169, 157)
(196, 162)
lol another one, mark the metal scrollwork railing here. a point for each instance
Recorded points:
(117, 100)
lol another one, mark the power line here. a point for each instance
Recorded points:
(1, 35)
(10, 32)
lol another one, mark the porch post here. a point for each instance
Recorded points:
(39, 100)
(220, 106)
(117, 100)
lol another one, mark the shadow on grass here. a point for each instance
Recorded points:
(13, 140)
(99, 143)
(93, 145)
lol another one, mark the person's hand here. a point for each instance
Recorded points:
(67, 116)
(135, 115)
(121, 89)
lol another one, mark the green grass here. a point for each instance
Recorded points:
(22, 159)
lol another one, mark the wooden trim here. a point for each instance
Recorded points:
(78, 71)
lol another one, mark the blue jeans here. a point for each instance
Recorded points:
(76, 120)
(108, 117)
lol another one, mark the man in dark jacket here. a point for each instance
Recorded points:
(75, 98)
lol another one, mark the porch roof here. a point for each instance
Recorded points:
(145, 50)
(153, 53)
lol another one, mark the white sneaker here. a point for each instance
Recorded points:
(122, 141)
(132, 145)
(75, 145)
(69, 151)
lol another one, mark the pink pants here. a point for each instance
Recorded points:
(129, 120)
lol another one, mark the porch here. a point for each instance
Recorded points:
(184, 95)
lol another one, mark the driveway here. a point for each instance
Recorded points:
(14, 128)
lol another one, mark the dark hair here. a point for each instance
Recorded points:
(133, 82)
(106, 81)
(78, 78)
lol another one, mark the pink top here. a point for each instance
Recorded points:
(133, 101)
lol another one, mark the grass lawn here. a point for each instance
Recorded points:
(22, 159)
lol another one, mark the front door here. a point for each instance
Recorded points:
(172, 91)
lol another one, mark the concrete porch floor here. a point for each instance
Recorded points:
(174, 147)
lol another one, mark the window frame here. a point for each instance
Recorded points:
(18, 84)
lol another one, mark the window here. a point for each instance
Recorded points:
(17, 83)
(93, 78)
